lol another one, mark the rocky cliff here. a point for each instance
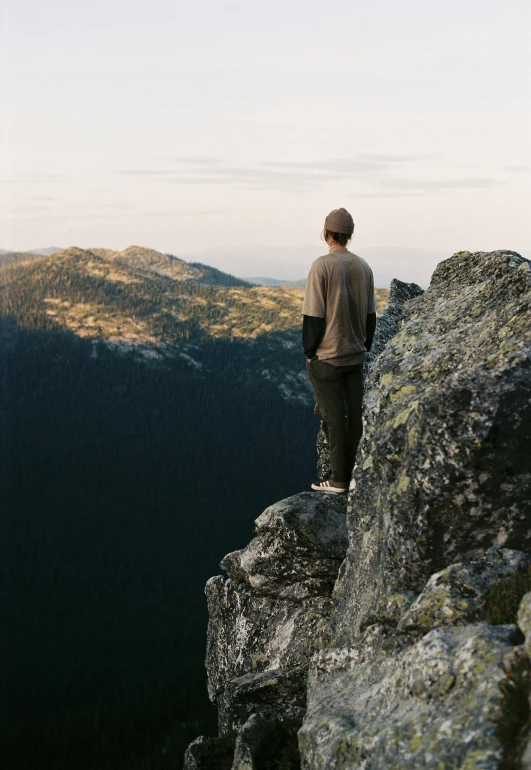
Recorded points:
(392, 629)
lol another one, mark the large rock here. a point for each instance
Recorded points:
(210, 753)
(458, 594)
(440, 703)
(387, 324)
(249, 633)
(266, 743)
(272, 694)
(443, 468)
(299, 545)
(272, 613)
(389, 320)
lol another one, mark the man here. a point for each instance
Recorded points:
(339, 319)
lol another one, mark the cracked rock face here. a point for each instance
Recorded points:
(299, 545)
(434, 705)
(250, 633)
(457, 594)
(268, 618)
(388, 322)
(443, 467)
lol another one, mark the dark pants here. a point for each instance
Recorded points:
(339, 395)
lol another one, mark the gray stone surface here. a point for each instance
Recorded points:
(443, 467)
(250, 633)
(387, 324)
(299, 545)
(271, 693)
(403, 672)
(261, 740)
(251, 742)
(389, 320)
(437, 704)
(272, 612)
(457, 594)
(210, 753)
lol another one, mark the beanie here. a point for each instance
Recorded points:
(339, 221)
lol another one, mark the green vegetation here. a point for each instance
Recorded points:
(504, 597)
(142, 296)
(514, 724)
(103, 297)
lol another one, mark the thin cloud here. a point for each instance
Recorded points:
(268, 175)
(298, 176)
(151, 172)
(37, 176)
(440, 184)
(200, 160)
(517, 168)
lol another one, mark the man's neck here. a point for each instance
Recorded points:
(337, 247)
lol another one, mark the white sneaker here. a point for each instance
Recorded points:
(329, 486)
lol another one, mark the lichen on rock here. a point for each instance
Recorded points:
(300, 541)
(443, 470)
(457, 594)
(433, 705)
(272, 613)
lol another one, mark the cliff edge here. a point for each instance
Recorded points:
(392, 628)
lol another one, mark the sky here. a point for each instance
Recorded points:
(224, 132)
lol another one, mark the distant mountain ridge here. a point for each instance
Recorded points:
(382, 295)
(300, 283)
(138, 256)
(46, 252)
(157, 308)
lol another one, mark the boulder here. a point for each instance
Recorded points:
(210, 753)
(443, 469)
(444, 702)
(458, 594)
(389, 320)
(272, 694)
(272, 613)
(266, 743)
(299, 545)
(252, 633)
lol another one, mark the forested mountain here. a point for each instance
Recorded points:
(16, 257)
(146, 420)
(137, 256)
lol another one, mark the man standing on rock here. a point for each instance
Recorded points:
(339, 319)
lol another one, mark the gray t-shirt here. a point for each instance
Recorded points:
(341, 290)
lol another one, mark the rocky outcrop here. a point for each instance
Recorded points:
(457, 595)
(389, 320)
(443, 468)
(436, 704)
(394, 656)
(272, 612)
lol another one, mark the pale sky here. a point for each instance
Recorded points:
(226, 131)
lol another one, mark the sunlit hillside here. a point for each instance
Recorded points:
(145, 301)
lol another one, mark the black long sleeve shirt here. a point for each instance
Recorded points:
(313, 330)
